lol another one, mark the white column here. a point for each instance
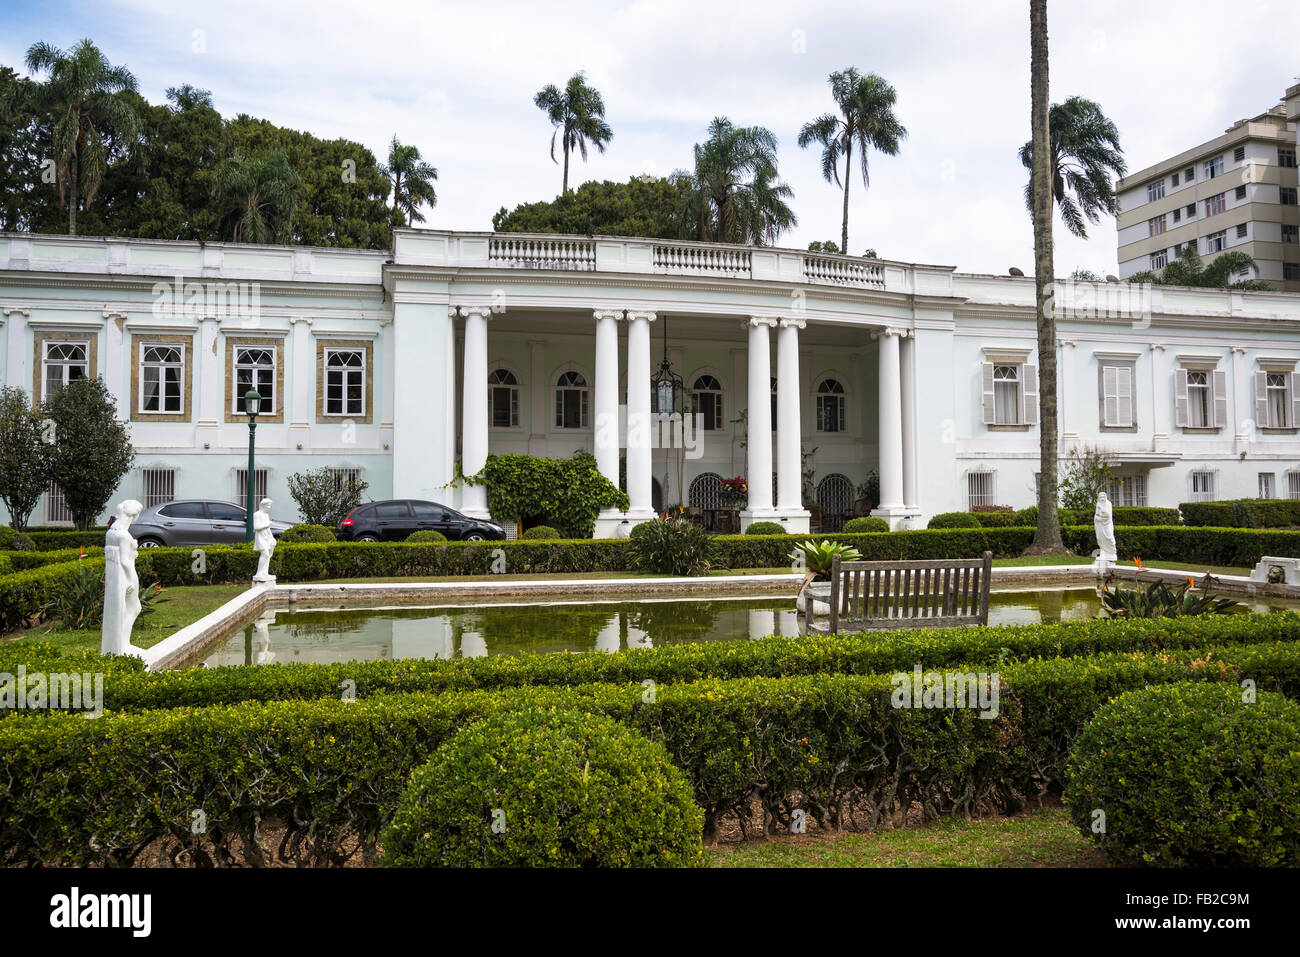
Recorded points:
(1159, 397)
(1066, 397)
(16, 348)
(114, 361)
(639, 465)
(210, 384)
(891, 424)
(758, 446)
(607, 440)
(537, 407)
(301, 412)
(474, 434)
(907, 382)
(789, 432)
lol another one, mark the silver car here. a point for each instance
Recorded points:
(194, 521)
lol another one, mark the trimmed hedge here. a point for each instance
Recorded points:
(538, 532)
(864, 524)
(304, 532)
(333, 771)
(960, 519)
(51, 541)
(1242, 513)
(1122, 515)
(571, 789)
(128, 688)
(1232, 547)
(426, 535)
(1220, 777)
(12, 540)
(776, 528)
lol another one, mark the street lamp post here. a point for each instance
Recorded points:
(252, 402)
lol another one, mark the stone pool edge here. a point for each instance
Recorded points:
(183, 644)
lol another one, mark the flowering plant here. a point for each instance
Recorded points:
(734, 491)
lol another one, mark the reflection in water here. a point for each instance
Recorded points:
(506, 629)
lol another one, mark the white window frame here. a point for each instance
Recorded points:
(1206, 480)
(560, 391)
(260, 479)
(1293, 483)
(1211, 386)
(63, 365)
(1267, 485)
(56, 506)
(1216, 204)
(160, 367)
(345, 373)
(157, 486)
(1290, 233)
(269, 403)
(1213, 167)
(1155, 191)
(1276, 399)
(1128, 490)
(714, 423)
(1156, 225)
(1159, 259)
(511, 388)
(1118, 388)
(829, 399)
(981, 488)
(1216, 242)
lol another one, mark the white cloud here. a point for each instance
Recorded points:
(458, 81)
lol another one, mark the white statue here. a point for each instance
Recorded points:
(263, 541)
(1104, 525)
(121, 583)
(263, 655)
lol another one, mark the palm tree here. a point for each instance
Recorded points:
(866, 117)
(90, 99)
(256, 198)
(578, 115)
(1048, 535)
(412, 180)
(734, 195)
(1188, 270)
(1085, 157)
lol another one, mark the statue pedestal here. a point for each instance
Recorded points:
(264, 580)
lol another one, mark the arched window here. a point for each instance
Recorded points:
(835, 499)
(706, 491)
(830, 406)
(571, 401)
(706, 400)
(503, 399)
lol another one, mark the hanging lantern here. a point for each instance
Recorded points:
(667, 391)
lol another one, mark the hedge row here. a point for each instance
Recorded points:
(129, 689)
(1122, 515)
(1243, 513)
(53, 541)
(1232, 547)
(332, 772)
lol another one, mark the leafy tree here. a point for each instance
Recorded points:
(1087, 473)
(733, 195)
(866, 118)
(644, 206)
(412, 180)
(25, 456)
(1086, 156)
(92, 449)
(830, 246)
(1047, 537)
(578, 114)
(256, 197)
(24, 143)
(88, 97)
(1188, 270)
(1086, 275)
(323, 497)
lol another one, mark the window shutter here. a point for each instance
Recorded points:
(1029, 394)
(1180, 398)
(1110, 395)
(986, 387)
(1124, 383)
(1295, 401)
(1261, 400)
(1220, 399)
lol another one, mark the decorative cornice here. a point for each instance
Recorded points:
(294, 320)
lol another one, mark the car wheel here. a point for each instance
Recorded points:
(473, 537)
(367, 537)
(149, 543)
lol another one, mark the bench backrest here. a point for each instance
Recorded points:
(911, 594)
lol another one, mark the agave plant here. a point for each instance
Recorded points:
(817, 559)
(1160, 600)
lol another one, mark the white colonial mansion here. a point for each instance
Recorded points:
(396, 366)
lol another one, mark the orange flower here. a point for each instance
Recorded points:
(1137, 560)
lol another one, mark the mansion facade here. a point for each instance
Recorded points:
(816, 377)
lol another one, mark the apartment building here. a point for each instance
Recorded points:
(1237, 191)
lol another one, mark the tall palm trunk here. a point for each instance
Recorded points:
(1048, 535)
(74, 174)
(565, 188)
(848, 176)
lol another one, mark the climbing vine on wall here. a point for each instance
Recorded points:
(569, 492)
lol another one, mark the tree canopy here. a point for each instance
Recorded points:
(644, 206)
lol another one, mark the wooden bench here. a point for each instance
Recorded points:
(921, 594)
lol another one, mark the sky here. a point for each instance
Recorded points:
(458, 80)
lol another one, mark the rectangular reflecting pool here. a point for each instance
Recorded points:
(511, 628)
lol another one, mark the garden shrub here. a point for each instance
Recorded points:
(307, 533)
(539, 532)
(426, 535)
(1189, 774)
(570, 492)
(47, 541)
(12, 540)
(331, 772)
(865, 524)
(575, 789)
(1242, 513)
(768, 528)
(862, 653)
(954, 520)
(671, 547)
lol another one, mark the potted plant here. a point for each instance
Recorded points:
(733, 492)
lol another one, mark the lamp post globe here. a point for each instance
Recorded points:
(252, 403)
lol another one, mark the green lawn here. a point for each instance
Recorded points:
(1042, 838)
(176, 608)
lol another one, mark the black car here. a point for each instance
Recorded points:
(394, 520)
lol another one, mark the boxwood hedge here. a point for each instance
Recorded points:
(332, 772)
(1243, 513)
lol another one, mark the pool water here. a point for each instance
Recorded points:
(507, 628)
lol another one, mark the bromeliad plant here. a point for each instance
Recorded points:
(817, 559)
(1159, 600)
(81, 604)
(671, 546)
